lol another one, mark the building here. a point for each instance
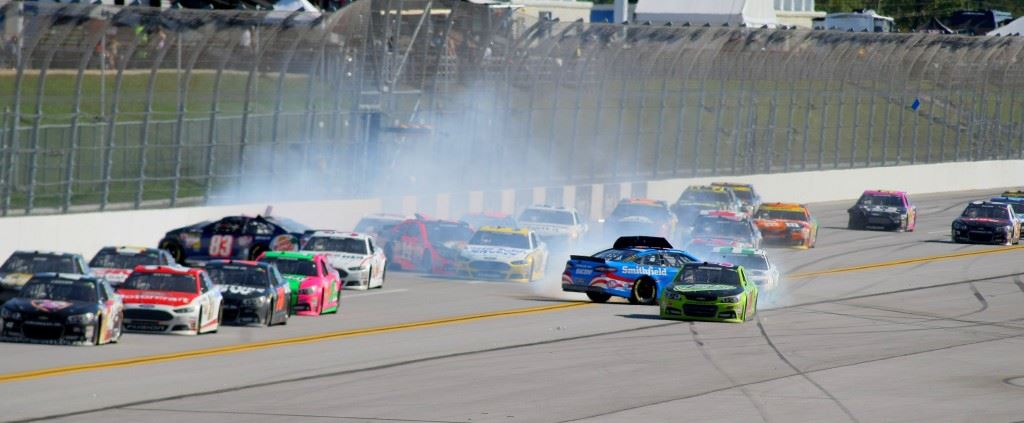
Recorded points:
(754, 13)
(858, 21)
(798, 13)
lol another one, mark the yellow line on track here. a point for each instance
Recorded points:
(904, 262)
(231, 349)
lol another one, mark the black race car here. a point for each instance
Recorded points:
(987, 222)
(21, 265)
(65, 309)
(233, 237)
(254, 292)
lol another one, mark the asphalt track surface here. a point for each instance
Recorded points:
(926, 331)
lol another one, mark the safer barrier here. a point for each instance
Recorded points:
(129, 107)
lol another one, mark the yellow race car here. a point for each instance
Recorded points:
(503, 253)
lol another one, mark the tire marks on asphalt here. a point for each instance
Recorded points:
(702, 347)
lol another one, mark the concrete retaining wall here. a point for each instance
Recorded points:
(86, 233)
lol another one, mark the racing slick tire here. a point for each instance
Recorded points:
(598, 297)
(96, 338)
(903, 225)
(383, 277)
(645, 292)
(175, 249)
(256, 251)
(269, 320)
(337, 299)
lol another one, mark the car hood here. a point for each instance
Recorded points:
(981, 221)
(50, 307)
(880, 209)
(164, 298)
(114, 276)
(343, 260)
(709, 289)
(487, 252)
(242, 291)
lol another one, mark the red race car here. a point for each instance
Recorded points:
(170, 299)
(425, 244)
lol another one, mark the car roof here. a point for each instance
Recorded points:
(734, 185)
(242, 263)
(169, 270)
(504, 230)
(339, 234)
(130, 249)
(987, 203)
(711, 188)
(783, 206)
(68, 276)
(723, 266)
(48, 253)
(884, 192)
(644, 202)
(549, 207)
(291, 255)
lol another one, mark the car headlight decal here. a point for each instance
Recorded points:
(731, 299)
(81, 319)
(184, 310)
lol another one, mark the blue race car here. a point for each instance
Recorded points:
(1013, 199)
(233, 237)
(636, 268)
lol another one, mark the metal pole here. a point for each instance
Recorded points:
(69, 164)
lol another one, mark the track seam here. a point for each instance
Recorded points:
(746, 392)
(800, 372)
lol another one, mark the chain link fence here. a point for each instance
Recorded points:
(127, 107)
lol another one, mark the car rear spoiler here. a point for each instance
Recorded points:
(587, 258)
(641, 242)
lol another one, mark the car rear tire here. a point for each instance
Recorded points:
(645, 292)
(118, 329)
(174, 249)
(598, 297)
(97, 336)
(270, 315)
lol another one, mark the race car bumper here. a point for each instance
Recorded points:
(357, 279)
(788, 237)
(702, 311)
(159, 319)
(980, 235)
(307, 304)
(46, 332)
(235, 313)
(494, 270)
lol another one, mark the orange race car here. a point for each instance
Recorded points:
(787, 223)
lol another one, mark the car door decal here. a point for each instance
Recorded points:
(220, 246)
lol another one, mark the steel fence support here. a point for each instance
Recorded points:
(147, 117)
(179, 129)
(106, 170)
(69, 164)
(211, 135)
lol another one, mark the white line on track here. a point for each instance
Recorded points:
(367, 294)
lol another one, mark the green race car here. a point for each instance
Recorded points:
(315, 285)
(710, 292)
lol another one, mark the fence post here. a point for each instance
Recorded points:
(69, 164)
(147, 117)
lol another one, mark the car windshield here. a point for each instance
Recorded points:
(555, 217)
(501, 239)
(442, 232)
(161, 282)
(292, 266)
(39, 263)
(1018, 207)
(375, 225)
(112, 259)
(708, 275)
(239, 275)
(745, 195)
(59, 290)
(703, 196)
(986, 212)
(780, 214)
(340, 245)
(748, 261)
(652, 212)
(479, 221)
(724, 228)
(229, 225)
(616, 255)
(881, 200)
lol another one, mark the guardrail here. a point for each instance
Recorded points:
(127, 107)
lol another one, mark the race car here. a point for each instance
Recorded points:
(233, 237)
(504, 253)
(755, 262)
(787, 224)
(360, 263)
(425, 244)
(171, 299)
(481, 219)
(883, 209)
(640, 216)
(65, 309)
(636, 268)
(718, 228)
(21, 265)
(254, 292)
(987, 222)
(710, 292)
(1013, 193)
(315, 286)
(749, 199)
(698, 198)
(559, 227)
(376, 225)
(115, 263)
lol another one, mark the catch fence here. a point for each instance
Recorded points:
(109, 107)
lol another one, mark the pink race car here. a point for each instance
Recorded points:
(890, 210)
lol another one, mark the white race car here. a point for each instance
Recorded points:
(559, 227)
(755, 261)
(358, 260)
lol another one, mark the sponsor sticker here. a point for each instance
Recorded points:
(645, 270)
